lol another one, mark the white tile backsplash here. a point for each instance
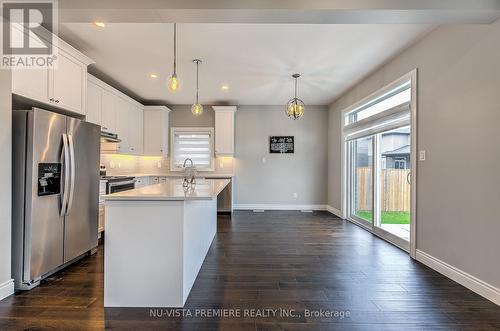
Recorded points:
(118, 164)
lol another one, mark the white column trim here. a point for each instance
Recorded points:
(225, 108)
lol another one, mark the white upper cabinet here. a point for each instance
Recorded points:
(122, 123)
(31, 83)
(116, 113)
(108, 111)
(156, 130)
(94, 103)
(224, 130)
(64, 86)
(135, 130)
(69, 83)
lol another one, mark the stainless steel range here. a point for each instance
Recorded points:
(118, 183)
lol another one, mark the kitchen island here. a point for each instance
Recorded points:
(156, 238)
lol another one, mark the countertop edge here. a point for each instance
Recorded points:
(146, 197)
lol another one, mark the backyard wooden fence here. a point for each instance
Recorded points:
(394, 188)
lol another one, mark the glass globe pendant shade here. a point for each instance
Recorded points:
(173, 84)
(295, 108)
(197, 109)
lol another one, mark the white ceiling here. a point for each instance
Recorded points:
(255, 60)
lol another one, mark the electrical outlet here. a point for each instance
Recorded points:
(295, 195)
(119, 165)
(111, 165)
(221, 165)
(158, 164)
(422, 155)
(264, 160)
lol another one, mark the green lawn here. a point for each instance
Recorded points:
(388, 217)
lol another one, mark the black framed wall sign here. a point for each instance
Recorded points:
(281, 145)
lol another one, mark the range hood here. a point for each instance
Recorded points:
(109, 142)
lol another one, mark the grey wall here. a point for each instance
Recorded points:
(181, 116)
(458, 125)
(5, 170)
(275, 181)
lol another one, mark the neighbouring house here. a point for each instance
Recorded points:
(395, 149)
(397, 159)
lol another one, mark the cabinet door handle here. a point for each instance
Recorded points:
(51, 99)
(57, 101)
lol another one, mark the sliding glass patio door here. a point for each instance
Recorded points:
(394, 186)
(378, 138)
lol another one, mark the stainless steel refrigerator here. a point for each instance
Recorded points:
(55, 193)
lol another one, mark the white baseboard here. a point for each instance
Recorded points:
(334, 211)
(277, 207)
(474, 284)
(6, 289)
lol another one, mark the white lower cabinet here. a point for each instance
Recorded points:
(142, 181)
(101, 218)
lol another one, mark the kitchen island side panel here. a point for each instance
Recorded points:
(143, 256)
(200, 227)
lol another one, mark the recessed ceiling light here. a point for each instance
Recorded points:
(153, 76)
(100, 24)
(224, 87)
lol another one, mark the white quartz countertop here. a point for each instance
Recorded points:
(172, 189)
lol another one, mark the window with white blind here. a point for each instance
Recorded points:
(389, 109)
(192, 143)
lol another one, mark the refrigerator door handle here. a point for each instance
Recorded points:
(66, 164)
(72, 173)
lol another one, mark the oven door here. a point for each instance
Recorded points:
(121, 186)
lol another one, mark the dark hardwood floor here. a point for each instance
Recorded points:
(274, 263)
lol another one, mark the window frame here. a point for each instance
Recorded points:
(209, 130)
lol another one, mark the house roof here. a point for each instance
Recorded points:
(405, 150)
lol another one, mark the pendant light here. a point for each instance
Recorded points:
(197, 108)
(173, 84)
(295, 107)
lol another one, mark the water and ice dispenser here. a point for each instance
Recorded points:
(49, 178)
